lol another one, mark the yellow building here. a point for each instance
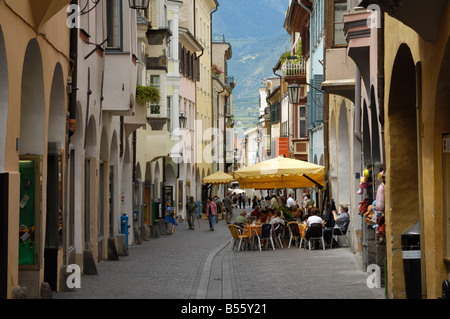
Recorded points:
(203, 30)
(416, 131)
(34, 68)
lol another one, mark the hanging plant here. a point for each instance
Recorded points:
(216, 70)
(146, 94)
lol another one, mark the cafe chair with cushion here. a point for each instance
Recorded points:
(341, 232)
(316, 233)
(294, 234)
(236, 236)
(266, 234)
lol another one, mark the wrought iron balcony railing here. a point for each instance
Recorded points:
(293, 67)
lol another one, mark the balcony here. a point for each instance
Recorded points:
(340, 73)
(157, 57)
(137, 120)
(294, 69)
(120, 83)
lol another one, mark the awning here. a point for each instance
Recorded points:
(281, 172)
(218, 178)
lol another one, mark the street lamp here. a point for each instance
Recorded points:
(138, 4)
(182, 119)
(294, 91)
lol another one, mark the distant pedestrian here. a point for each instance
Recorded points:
(254, 202)
(216, 200)
(211, 212)
(191, 210)
(228, 207)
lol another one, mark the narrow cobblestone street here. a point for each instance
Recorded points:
(199, 265)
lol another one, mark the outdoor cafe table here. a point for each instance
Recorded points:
(253, 231)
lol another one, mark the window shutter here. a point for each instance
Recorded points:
(318, 98)
(309, 115)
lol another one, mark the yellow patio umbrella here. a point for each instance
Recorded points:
(281, 172)
(218, 178)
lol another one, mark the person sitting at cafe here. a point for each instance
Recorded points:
(313, 219)
(242, 219)
(270, 215)
(299, 216)
(276, 218)
(255, 213)
(263, 216)
(340, 221)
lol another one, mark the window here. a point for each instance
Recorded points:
(169, 41)
(340, 8)
(154, 81)
(114, 24)
(301, 129)
(169, 112)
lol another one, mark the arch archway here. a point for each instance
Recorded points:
(157, 184)
(56, 139)
(31, 152)
(32, 108)
(89, 178)
(343, 156)
(114, 189)
(333, 157)
(402, 172)
(57, 112)
(376, 153)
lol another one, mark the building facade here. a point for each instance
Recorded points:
(414, 105)
(68, 173)
(35, 64)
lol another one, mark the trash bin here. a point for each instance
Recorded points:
(124, 226)
(411, 262)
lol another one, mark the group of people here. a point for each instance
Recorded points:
(334, 221)
(267, 210)
(305, 213)
(214, 207)
(269, 216)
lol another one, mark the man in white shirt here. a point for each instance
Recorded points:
(291, 201)
(313, 219)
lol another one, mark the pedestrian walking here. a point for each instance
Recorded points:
(211, 212)
(218, 205)
(191, 210)
(228, 207)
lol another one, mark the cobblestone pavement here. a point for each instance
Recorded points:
(197, 264)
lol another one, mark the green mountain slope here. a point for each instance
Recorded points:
(254, 28)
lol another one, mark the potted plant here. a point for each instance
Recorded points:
(146, 95)
(216, 70)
